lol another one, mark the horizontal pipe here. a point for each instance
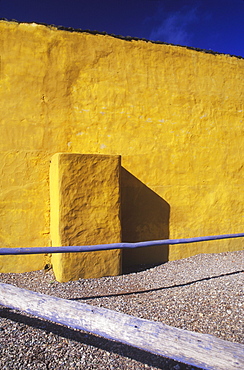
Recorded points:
(101, 247)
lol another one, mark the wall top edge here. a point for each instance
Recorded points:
(125, 38)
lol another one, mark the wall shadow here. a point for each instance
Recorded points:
(144, 216)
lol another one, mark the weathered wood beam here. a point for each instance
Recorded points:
(204, 351)
(92, 248)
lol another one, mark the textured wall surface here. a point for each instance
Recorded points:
(85, 210)
(175, 116)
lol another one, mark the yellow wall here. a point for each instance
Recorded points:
(175, 116)
(85, 210)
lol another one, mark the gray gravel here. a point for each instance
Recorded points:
(203, 293)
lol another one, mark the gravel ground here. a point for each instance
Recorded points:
(203, 293)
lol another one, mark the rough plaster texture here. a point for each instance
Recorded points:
(174, 115)
(85, 210)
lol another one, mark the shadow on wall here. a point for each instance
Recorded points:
(144, 216)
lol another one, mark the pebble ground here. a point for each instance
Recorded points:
(203, 293)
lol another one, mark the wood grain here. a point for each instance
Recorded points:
(204, 351)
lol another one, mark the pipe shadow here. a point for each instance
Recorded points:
(156, 289)
(118, 348)
(144, 217)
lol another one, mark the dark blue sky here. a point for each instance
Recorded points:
(207, 24)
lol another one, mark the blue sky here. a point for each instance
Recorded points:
(217, 25)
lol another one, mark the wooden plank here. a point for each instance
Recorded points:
(100, 247)
(204, 351)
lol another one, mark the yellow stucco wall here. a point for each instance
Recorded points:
(85, 210)
(175, 116)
